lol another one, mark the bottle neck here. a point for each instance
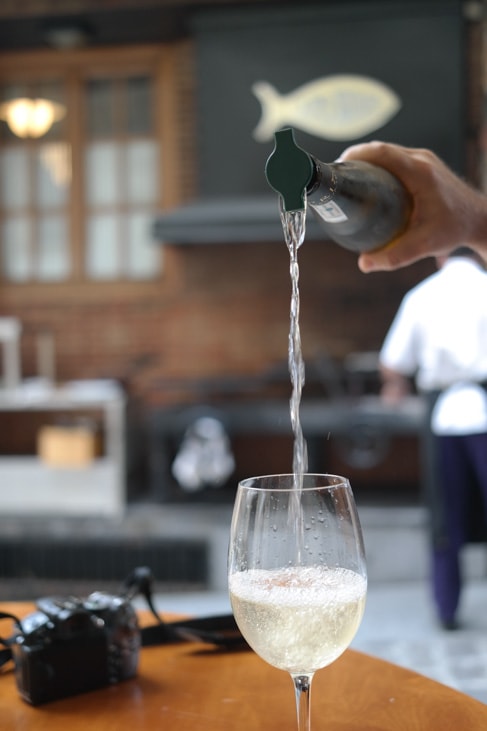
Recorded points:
(323, 185)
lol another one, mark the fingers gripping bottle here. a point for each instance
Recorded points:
(359, 206)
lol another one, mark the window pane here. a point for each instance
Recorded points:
(102, 174)
(141, 170)
(53, 260)
(53, 174)
(54, 91)
(14, 178)
(16, 260)
(101, 108)
(102, 249)
(139, 106)
(143, 251)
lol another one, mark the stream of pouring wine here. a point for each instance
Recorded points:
(294, 227)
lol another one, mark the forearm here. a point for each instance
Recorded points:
(395, 386)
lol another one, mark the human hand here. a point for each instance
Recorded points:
(446, 211)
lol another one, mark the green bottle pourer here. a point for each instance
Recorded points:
(289, 170)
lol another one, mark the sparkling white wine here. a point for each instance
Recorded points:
(298, 618)
(294, 228)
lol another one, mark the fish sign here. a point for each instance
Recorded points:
(340, 107)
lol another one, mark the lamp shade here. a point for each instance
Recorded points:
(31, 117)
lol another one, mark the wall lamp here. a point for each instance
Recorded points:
(31, 117)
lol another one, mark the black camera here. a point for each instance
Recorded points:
(72, 645)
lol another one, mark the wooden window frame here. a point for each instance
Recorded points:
(163, 62)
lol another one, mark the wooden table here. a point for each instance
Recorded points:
(191, 687)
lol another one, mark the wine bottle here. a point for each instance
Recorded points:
(359, 206)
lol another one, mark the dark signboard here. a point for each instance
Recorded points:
(404, 58)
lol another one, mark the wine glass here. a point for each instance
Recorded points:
(296, 573)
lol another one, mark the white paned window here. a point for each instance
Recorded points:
(53, 260)
(103, 182)
(102, 261)
(141, 165)
(53, 174)
(78, 198)
(35, 183)
(14, 178)
(143, 251)
(122, 187)
(16, 259)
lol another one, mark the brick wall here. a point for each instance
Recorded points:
(227, 316)
(217, 322)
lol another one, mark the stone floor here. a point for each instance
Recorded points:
(399, 625)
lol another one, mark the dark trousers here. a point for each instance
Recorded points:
(462, 470)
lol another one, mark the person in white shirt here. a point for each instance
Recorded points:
(439, 337)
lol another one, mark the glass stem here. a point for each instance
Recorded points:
(302, 689)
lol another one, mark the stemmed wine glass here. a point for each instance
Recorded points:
(296, 573)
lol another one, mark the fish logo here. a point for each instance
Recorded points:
(339, 107)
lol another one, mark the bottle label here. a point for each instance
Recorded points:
(332, 213)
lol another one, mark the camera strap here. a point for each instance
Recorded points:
(6, 652)
(221, 631)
